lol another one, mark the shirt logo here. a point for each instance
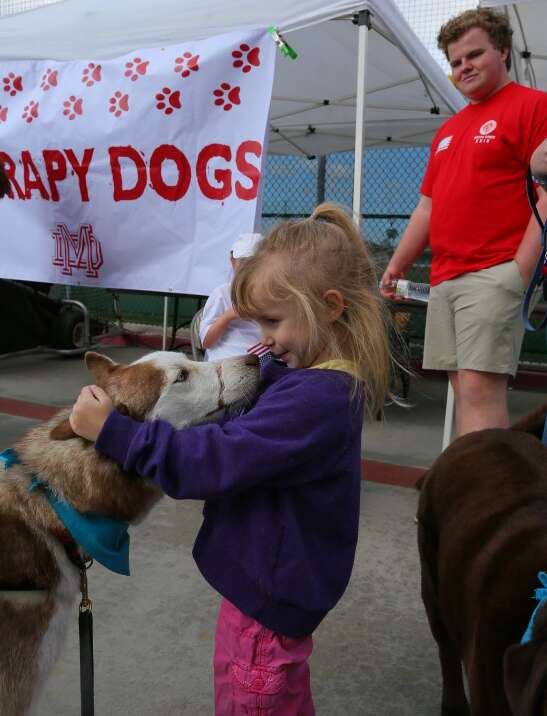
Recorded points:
(444, 143)
(485, 135)
(488, 127)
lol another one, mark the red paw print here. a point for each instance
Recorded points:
(91, 74)
(227, 96)
(3, 114)
(30, 111)
(186, 64)
(136, 69)
(168, 100)
(13, 84)
(246, 58)
(73, 106)
(118, 104)
(49, 79)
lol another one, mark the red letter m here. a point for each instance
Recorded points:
(79, 251)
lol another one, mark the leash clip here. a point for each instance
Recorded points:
(85, 603)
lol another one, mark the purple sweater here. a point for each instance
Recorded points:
(281, 486)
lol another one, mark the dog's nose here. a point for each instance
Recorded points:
(251, 359)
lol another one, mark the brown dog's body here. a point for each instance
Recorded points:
(38, 581)
(482, 537)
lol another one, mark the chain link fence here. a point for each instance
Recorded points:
(293, 187)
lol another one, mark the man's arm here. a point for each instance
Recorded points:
(411, 246)
(538, 162)
(530, 246)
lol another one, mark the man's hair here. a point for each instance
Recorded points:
(4, 182)
(495, 25)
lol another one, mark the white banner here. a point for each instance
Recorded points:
(137, 172)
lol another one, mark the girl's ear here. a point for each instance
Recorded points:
(334, 303)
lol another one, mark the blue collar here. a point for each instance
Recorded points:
(104, 538)
(541, 596)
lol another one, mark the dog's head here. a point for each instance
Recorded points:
(161, 385)
(168, 386)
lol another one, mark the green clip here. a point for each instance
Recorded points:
(285, 48)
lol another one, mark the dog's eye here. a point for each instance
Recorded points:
(182, 376)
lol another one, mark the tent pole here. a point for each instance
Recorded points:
(362, 20)
(448, 416)
(321, 176)
(164, 331)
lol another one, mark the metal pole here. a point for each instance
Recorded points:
(448, 416)
(164, 338)
(362, 19)
(321, 176)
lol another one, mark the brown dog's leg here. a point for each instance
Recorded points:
(454, 701)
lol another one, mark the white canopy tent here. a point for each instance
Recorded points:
(529, 21)
(314, 103)
(362, 77)
(319, 99)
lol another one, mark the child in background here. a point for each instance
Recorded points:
(222, 332)
(281, 483)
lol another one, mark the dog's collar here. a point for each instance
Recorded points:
(541, 596)
(8, 458)
(104, 538)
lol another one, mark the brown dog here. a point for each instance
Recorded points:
(482, 537)
(39, 576)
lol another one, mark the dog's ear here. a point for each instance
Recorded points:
(100, 366)
(62, 431)
(525, 677)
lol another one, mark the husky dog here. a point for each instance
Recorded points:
(39, 576)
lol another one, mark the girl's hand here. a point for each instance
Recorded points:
(90, 412)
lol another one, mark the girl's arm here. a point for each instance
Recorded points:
(293, 437)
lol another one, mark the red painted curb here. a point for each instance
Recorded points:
(24, 409)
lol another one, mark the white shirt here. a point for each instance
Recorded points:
(238, 336)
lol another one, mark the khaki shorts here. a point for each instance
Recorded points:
(474, 321)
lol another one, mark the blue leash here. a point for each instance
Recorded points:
(541, 596)
(540, 272)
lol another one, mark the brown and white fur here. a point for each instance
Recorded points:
(482, 536)
(38, 582)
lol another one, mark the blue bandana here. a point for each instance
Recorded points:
(541, 596)
(104, 538)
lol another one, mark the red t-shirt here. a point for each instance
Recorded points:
(476, 180)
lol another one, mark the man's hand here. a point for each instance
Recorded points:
(538, 162)
(389, 281)
(90, 412)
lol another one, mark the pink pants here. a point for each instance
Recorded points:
(259, 672)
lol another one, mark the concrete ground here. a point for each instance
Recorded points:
(374, 655)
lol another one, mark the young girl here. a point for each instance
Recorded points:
(281, 483)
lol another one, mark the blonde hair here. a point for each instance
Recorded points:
(301, 261)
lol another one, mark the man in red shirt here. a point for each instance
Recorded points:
(473, 212)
